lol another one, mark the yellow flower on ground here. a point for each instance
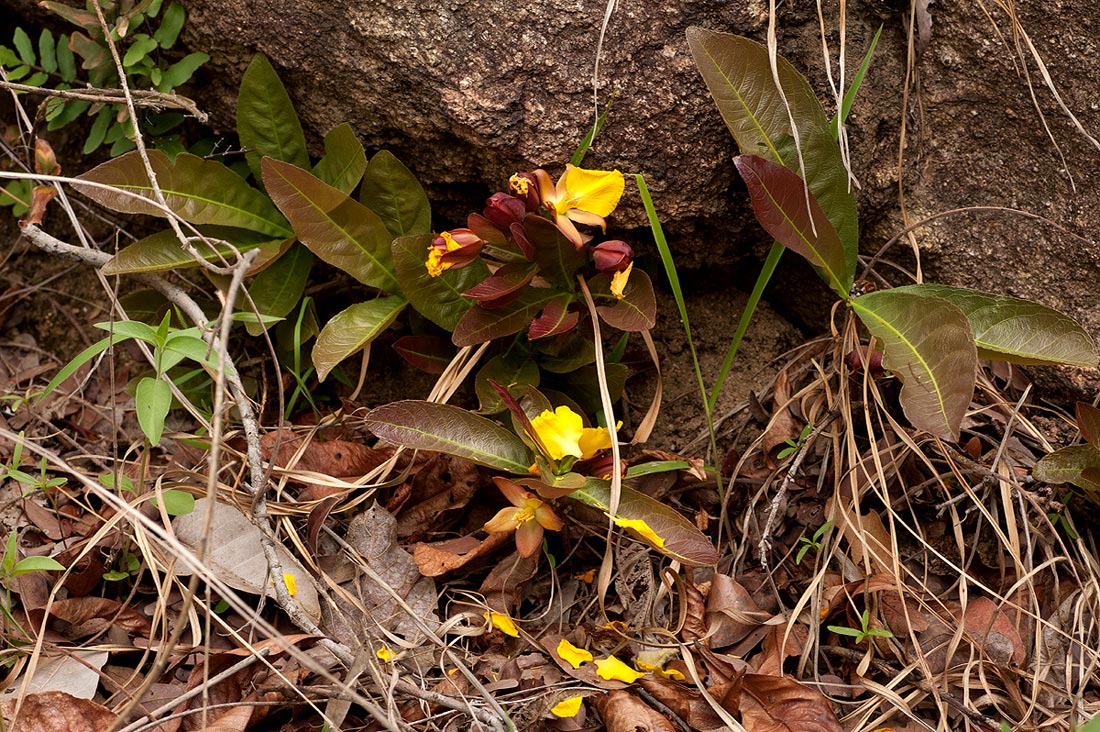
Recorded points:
(654, 662)
(642, 529)
(612, 669)
(619, 280)
(562, 433)
(572, 655)
(567, 707)
(581, 196)
(503, 623)
(384, 654)
(528, 516)
(291, 584)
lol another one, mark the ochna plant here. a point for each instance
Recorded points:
(931, 335)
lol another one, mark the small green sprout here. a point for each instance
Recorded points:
(794, 446)
(812, 543)
(864, 632)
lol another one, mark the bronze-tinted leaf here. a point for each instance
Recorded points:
(636, 311)
(199, 191)
(927, 343)
(352, 329)
(479, 324)
(556, 318)
(451, 430)
(430, 354)
(439, 299)
(338, 229)
(558, 259)
(1015, 330)
(791, 214)
(1088, 421)
(1075, 464)
(503, 286)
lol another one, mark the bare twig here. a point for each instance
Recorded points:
(142, 98)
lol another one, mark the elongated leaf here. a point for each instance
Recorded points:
(513, 372)
(739, 76)
(556, 318)
(393, 192)
(1074, 464)
(278, 289)
(779, 200)
(451, 430)
(636, 311)
(503, 286)
(199, 191)
(479, 325)
(338, 229)
(681, 539)
(928, 344)
(1020, 331)
(153, 399)
(1088, 421)
(558, 259)
(352, 329)
(161, 252)
(439, 299)
(266, 120)
(430, 354)
(344, 162)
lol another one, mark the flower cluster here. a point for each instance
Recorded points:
(503, 231)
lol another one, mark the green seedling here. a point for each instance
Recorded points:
(865, 630)
(794, 446)
(813, 542)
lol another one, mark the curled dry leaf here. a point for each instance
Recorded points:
(686, 703)
(444, 483)
(731, 612)
(74, 672)
(782, 425)
(83, 612)
(55, 711)
(781, 704)
(624, 712)
(444, 556)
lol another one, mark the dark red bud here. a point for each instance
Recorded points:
(504, 210)
(526, 188)
(612, 256)
(863, 356)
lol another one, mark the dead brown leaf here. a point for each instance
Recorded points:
(782, 425)
(781, 704)
(89, 615)
(503, 588)
(444, 556)
(686, 703)
(624, 712)
(444, 483)
(56, 711)
(731, 612)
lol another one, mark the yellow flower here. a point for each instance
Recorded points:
(612, 669)
(291, 584)
(572, 655)
(567, 707)
(619, 280)
(529, 516)
(653, 662)
(384, 654)
(563, 433)
(642, 529)
(503, 623)
(455, 248)
(581, 196)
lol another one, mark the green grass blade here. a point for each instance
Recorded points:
(853, 89)
(586, 141)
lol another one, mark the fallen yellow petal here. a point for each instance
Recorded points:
(572, 655)
(291, 584)
(503, 623)
(384, 654)
(588, 577)
(612, 669)
(567, 707)
(641, 528)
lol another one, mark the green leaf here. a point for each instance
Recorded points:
(79, 360)
(853, 88)
(344, 162)
(658, 466)
(928, 344)
(1020, 331)
(1076, 464)
(512, 371)
(451, 430)
(47, 51)
(161, 252)
(66, 62)
(153, 398)
(187, 344)
(738, 73)
(266, 121)
(481, 324)
(439, 299)
(36, 564)
(352, 329)
(682, 540)
(177, 502)
(277, 290)
(558, 259)
(97, 134)
(24, 46)
(795, 219)
(636, 311)
(393, 192)
(141, 46)
(131, 329)
(199, 191)
(338, 229)
(170, 25)
(583, 385)
(180, 72)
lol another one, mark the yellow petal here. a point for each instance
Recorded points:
(612, 669)
(559, 431)
(434, 264)
(384, 654)
(291, 584)
(594, 191)
(503, 623)
(592, 440)
(654, 661)
(619, 280)
(567, 707)
(641, 528)
(572, 655)
(588, 577)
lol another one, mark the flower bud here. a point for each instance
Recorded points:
(454, 248)
(504, 210)
(525, 188)
(612, 256)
